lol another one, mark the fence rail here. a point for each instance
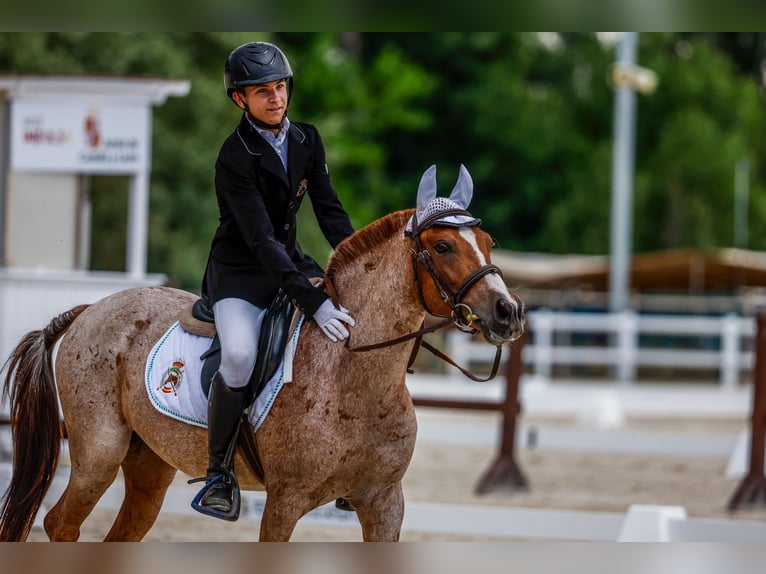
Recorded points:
(628, 343)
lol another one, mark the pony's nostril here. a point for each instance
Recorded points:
(510, 312)
(503, 311)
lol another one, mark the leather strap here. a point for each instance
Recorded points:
(446, 359)
(390, 342)
(248, 448)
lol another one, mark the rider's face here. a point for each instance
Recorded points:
(266, 102)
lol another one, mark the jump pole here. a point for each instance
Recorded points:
(752, 490)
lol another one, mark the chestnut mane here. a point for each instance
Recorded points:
(366, 239)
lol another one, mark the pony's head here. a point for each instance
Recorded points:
(453, 269)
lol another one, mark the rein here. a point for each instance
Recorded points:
(461, 315)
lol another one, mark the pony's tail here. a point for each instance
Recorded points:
(35, 426)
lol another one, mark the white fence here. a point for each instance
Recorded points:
(624, 343)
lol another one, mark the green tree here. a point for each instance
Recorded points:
(351, 104)
(528, 120)
(705, 117)
(355, 103)
(529, 114)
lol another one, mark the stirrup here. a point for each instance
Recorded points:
(236, 499)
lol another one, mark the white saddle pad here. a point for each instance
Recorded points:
(173, 371)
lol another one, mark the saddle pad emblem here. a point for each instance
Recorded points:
(173, 378)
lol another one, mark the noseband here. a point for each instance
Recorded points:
(461, 313)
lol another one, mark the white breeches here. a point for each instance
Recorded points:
(239, 325)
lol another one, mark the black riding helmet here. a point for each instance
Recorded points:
(257, 63)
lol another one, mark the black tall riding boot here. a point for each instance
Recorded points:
(224, 409)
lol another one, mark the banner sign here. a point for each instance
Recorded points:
(79, 137)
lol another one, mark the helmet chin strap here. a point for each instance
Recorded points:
(264, 125)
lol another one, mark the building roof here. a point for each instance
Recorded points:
(133, 89)
(720, 270)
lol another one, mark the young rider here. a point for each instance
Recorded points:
(265, 169)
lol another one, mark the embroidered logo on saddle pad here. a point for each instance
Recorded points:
(173, 378)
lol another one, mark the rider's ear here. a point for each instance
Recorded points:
(239, 99)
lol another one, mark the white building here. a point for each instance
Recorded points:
(55, 132)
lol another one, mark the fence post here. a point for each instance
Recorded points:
(627, 345)
(542, 323)
(752, 489)
(730, 336)
(504, 471)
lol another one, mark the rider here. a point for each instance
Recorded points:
(264, 170)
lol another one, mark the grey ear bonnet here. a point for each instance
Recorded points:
(428, 204)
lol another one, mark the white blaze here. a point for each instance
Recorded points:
(493, 279)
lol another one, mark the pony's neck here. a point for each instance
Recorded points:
(372, 274)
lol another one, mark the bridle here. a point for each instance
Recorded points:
(460, 315)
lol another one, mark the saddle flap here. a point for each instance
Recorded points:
(275, 331)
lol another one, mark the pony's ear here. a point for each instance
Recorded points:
(427, 188)
(463, 190)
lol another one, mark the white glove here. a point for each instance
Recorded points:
(331, 320)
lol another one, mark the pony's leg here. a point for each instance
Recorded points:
(381, 515)
(94, 467)
(280, 515)
(147, 478)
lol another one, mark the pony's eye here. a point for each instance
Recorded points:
(442, 247)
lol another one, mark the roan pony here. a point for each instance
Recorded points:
(345, 426)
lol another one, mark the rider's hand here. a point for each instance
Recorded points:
(331, 320)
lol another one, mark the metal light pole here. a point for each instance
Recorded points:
(627, 78)
(622, 179)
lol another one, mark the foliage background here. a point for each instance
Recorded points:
(529, 114)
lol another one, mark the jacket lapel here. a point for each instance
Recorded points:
(256, 145)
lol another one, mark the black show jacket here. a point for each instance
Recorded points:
(254, 251)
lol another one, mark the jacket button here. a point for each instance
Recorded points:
(291, 205)
(287, 226)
